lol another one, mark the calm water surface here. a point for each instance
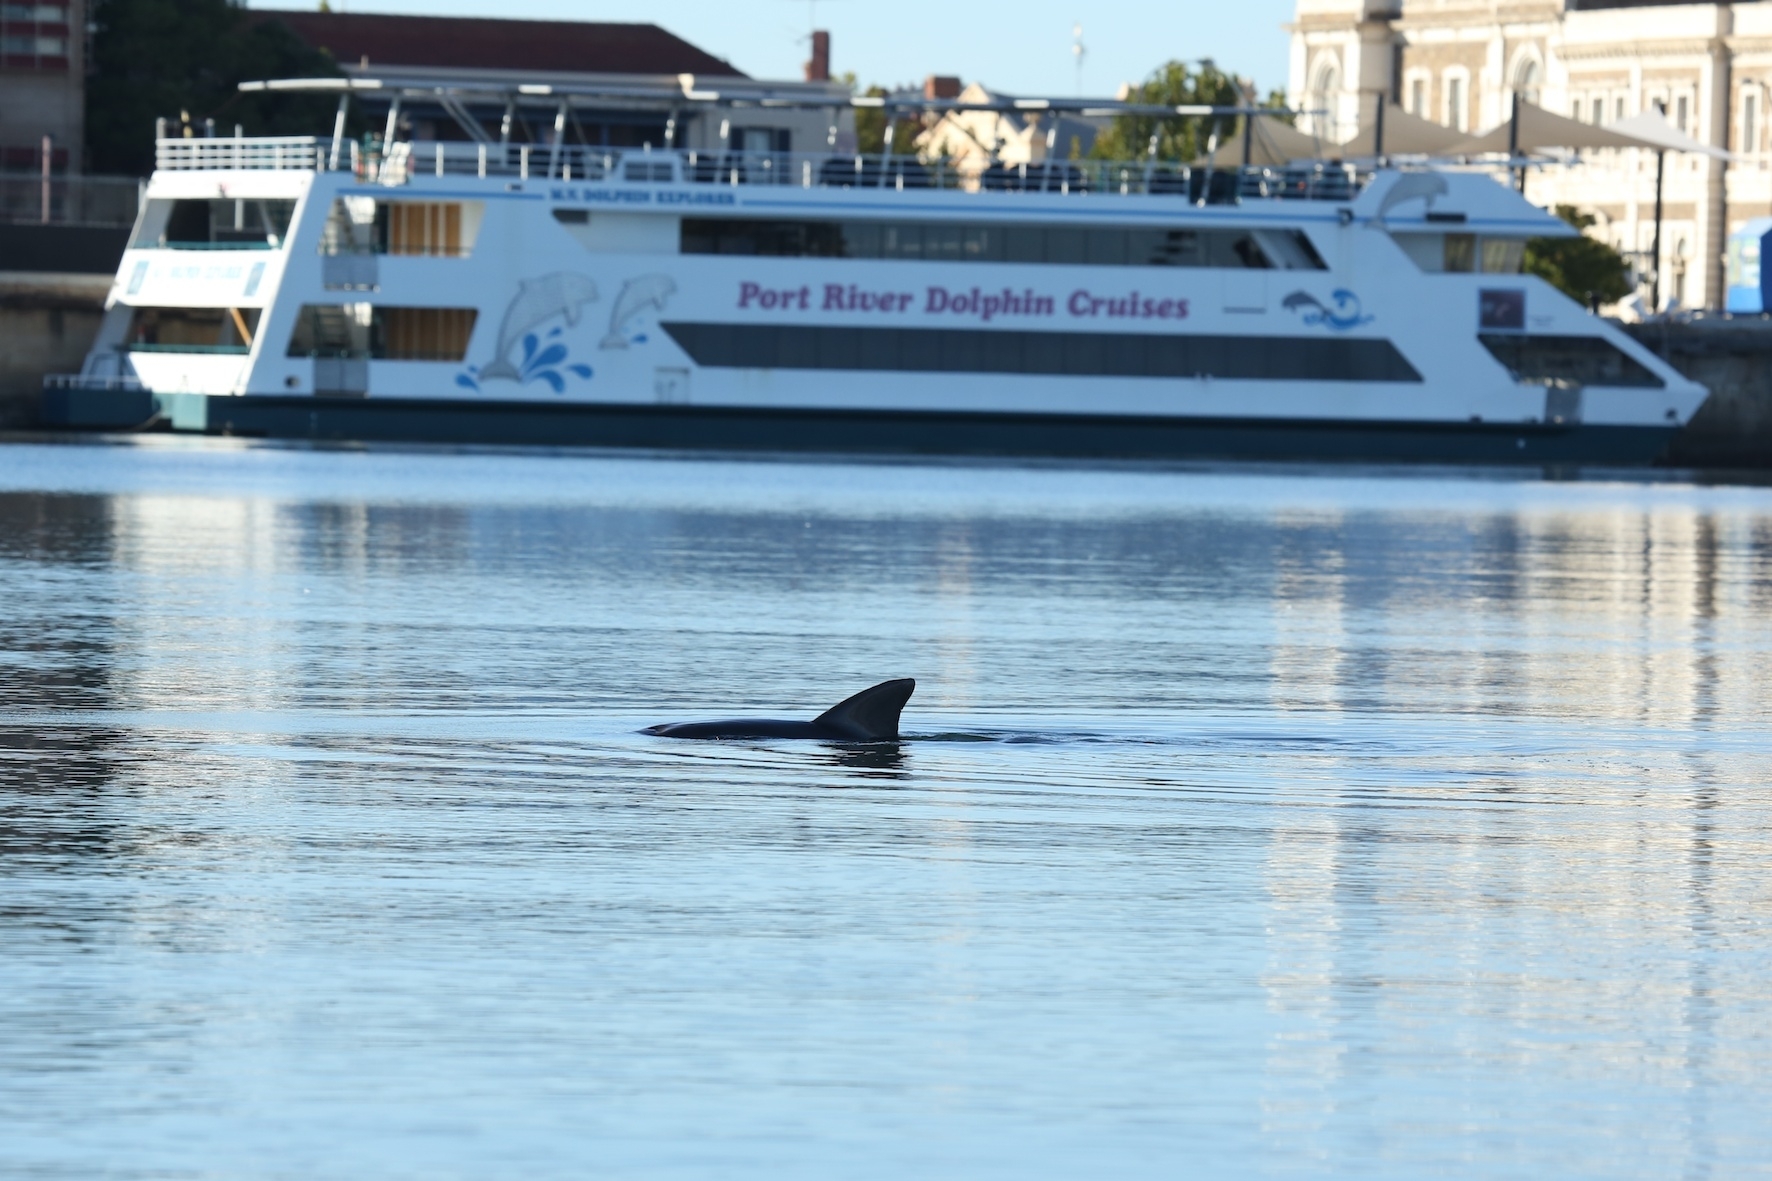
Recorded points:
(1250, 822)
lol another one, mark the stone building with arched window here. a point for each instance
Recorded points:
(1460, 62)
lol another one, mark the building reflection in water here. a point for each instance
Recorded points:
(1390, 927)
(57, 656)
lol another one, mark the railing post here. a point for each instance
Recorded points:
(523, 162)
(338, 131)
(559, 141)
(482, 161)
(437, 157)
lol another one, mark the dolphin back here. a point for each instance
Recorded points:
(872, 714)
(738, 728)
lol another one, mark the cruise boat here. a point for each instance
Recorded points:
(717, 285)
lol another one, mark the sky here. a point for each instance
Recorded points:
(1020, 48)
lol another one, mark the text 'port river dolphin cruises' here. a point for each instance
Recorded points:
(661, 266)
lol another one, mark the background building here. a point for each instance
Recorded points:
(643, 59)
(1460, 62)
(42, 83)
(974, 140)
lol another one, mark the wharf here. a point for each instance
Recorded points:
(1732, 357)
(53, 283)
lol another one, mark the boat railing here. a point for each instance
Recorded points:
(405, 160)
(227, 153)
(91, 381)
(1315, 180)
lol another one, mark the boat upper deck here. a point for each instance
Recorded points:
(678, 130)
(397, 163)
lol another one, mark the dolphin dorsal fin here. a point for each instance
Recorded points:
(872, 714)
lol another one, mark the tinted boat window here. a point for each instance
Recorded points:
(229, 224)
(1567, 360)
(191, 330)
(361, 330)
(1082, 354)
(1280, 249)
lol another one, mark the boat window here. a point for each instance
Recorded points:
(1503, 256)
(1461, 253)
(430, 229)
(361, 330)
(1290, 250)
(1567, 360)
(1278, 249)
(1083, 354)
(1426, 251)
(242, 223)
(191, 330)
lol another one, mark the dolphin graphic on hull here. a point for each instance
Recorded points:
(869, 716)
(537, 301)
(647, 291)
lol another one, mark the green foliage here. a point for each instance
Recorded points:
(1579, 267)
(1276, 100)
(157, 58)
(870, 125)
(1179, 138)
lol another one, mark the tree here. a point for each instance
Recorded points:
(1579, 267)
(160, 58)
(1179, 138)
(870, 125)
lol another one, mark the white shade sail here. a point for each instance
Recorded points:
(1663, 135)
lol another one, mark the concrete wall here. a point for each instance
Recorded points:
(47, 322)
(1733, 358)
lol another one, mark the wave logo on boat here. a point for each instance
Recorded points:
(648, 292)
(1341, 313)
(544, 356)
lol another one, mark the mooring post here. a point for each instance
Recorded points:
(48, 161)
(1655, 250)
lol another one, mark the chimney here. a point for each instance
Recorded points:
(939, 86)
(819, 68)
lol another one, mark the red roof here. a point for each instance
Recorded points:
(553, 47)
